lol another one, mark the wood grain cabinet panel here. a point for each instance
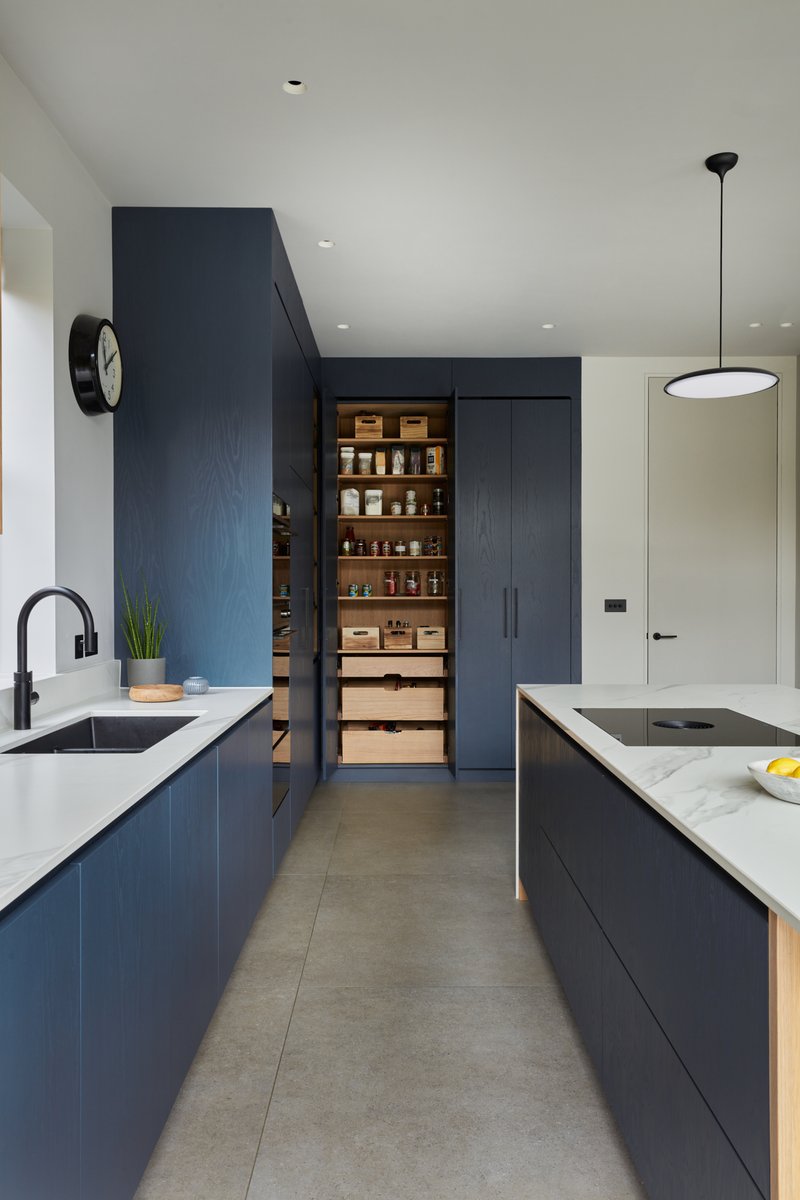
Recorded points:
(679, 1149)
(39, 1044)
(126, 1066)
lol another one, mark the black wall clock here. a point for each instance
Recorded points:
(95, 364)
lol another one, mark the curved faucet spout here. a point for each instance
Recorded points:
(23, 678)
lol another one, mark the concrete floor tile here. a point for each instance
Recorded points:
(275, 950)
(407, 930)
(310, 849)
(437, 1093)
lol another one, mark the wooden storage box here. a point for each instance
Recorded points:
(412, 428)
(398, 639)
(383, 700)
(430, 637)
(280, 702)
(280, 666)
(369, 427)
(407, 745)
(375, 666)
(361, 637)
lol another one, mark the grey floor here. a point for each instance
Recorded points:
(393, 1028)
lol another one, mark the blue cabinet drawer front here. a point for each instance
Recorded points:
(39, 1045)
(679, 1149)
(696, 945)
(127, 1078)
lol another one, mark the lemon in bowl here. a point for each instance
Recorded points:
(778, 776)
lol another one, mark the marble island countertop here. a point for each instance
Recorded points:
(706, 792)
(52, 805)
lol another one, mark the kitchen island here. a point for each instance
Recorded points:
(665, 885)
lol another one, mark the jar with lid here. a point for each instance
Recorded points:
(347, 548)
(390, 583)
(365, 462)
(347, 456)
(400, 549)
(435, 583)
(374, 549)
(438, 505)
(361, 547)
(414, 548)
(387, 549)
(412, 584)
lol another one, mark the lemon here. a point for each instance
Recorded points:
(783, 766)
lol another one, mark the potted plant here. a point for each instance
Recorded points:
(143, 633)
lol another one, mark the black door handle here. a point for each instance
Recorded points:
(658, 637)
(516, 612)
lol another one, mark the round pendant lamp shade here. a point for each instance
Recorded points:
(721, 381)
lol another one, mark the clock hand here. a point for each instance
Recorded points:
(110, 360)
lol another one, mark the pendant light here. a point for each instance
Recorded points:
(721, 381)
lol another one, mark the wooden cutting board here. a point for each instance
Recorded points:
(153, 693)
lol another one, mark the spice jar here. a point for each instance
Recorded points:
(352, 590)
(387, 549)
(412, 585)
(347, 456)
(365, 462)
(400, 549)
(414, 548)
(361, 547)
(396, 508)
(366, 589)
(374, 549)
(411, 508)
(435, 583)
(438, 502)
(390, 583)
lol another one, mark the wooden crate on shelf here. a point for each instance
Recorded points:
(431, 637)
(369, 426)
(375, 666)
(280, 702)
(408, 745)
(386, 701)
(280, 666)
(361, 637)
(398, 639)
(412, 428)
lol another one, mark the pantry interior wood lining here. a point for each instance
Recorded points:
(395, 716)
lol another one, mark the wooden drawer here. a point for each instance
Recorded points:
(375, 666)
(385, 702)
(280, 703)
(280, 666)
(408, 745)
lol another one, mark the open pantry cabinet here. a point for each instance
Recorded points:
(394, 580)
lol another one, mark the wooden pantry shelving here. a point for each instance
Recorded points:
(395, 717)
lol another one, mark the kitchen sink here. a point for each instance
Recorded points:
(103, 735)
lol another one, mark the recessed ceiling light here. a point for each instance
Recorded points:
(548, 325)
(326, 244)
(295, 87)
(755, 324)
(342, 326)
(786, 324)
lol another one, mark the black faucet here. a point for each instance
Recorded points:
(23, 678)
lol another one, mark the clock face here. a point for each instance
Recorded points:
(109, 366)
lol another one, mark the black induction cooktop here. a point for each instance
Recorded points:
(687, 727)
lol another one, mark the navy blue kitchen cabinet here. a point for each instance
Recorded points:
(126, 1070)
(664, 961)
(39, 1044)
(516, 555)
(193, 908)
(245, 831)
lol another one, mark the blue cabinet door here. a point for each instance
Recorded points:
(125, 1019)
(541, 506)
(193, 908)
(483, 614)
(39, 1045)
(245, 831)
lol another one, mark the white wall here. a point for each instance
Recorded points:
(38, 162)
(27, 545)
(614, 511)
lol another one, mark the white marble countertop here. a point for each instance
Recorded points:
(52, 805)
(705, 792)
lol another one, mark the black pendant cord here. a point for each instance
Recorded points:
(721, 210)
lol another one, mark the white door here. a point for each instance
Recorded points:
(713, 521)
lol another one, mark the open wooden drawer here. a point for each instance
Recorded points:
(393, 699)
(360, 744)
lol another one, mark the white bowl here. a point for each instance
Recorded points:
(782, 787)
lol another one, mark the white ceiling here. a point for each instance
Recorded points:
(483, 167)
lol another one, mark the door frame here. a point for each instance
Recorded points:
(786, 506)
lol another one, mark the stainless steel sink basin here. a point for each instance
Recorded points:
(103, 735)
